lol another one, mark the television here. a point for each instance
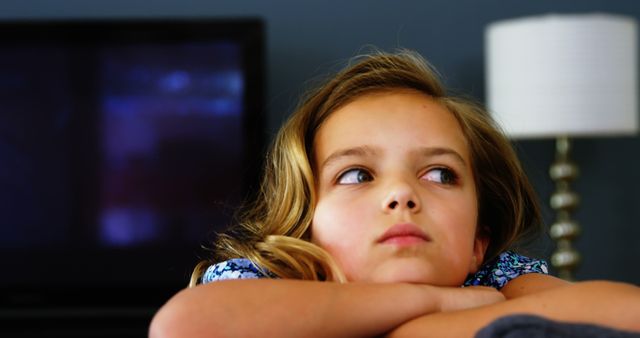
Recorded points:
(124, 146)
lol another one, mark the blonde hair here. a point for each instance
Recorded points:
(274, 230)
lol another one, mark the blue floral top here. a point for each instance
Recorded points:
(497, 273)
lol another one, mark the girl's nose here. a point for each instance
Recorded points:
(401, 197)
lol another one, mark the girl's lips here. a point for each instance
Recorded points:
(404, 233)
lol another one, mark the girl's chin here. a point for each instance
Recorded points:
(415, 275)
(406, 279)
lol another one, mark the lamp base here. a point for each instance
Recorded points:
(565, 259)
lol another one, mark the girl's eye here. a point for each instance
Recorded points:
(355, 176)
(441, 175)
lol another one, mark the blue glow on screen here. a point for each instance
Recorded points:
(171, 139)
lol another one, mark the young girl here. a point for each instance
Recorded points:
(381, 196)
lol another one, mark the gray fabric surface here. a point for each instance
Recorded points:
(527, 326)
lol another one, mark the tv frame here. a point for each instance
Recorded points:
(79, 295)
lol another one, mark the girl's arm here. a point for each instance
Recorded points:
(611, 304)
(281, 308)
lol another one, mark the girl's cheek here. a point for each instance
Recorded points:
(322, 225)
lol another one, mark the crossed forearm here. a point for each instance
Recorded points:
(291, 308)
(611, 304)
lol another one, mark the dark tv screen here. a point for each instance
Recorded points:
(124, 146)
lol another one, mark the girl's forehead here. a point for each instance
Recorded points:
(390, 120)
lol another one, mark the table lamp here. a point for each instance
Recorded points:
(563, 76)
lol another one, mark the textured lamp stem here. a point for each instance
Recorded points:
(565, 259)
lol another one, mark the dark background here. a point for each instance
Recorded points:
(308, 39)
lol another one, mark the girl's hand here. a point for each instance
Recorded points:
(453, 299)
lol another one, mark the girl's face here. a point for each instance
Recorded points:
(396, 195)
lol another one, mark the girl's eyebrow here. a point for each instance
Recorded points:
(364, 151)
(361, 151)
(440, 151)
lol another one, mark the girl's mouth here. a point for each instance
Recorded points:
(404, 234)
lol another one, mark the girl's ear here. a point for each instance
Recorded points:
(480, 245)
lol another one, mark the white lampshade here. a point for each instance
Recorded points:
(568, 75)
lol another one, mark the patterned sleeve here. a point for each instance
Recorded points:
(504, 268)
(236, 268)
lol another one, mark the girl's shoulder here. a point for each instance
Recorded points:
(235, 268)
(507, 266)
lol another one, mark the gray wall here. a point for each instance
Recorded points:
(306, 39)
